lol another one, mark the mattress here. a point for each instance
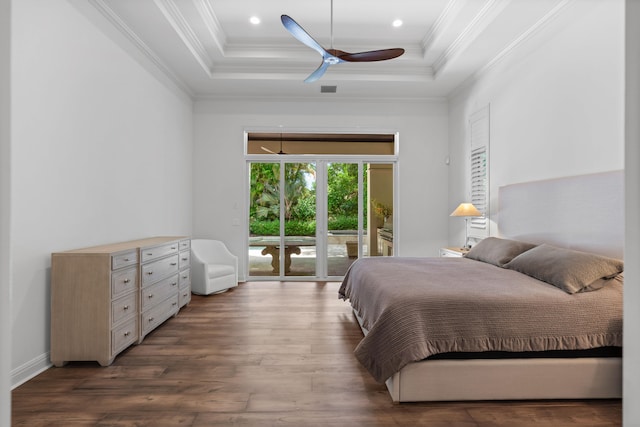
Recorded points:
(416, 308)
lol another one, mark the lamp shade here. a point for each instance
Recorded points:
(466, 209)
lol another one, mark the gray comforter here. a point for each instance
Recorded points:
(418, 307)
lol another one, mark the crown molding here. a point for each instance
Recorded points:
(180, 25)
(517, 44)
(443, 22)
(529, 33)
(114, 19)
(213, 25)
(487, 14)
(319, 98)
(362, 73)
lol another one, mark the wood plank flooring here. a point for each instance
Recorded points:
(262, 354)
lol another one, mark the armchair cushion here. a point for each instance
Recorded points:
(219, 270)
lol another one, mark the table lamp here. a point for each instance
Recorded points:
(466, 210)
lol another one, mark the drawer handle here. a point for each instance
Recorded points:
(184, 295)
(173, 247)
(184, 259)
(126, 260)
(149, 273)
(174, 304)
(126, 307)
(185, 276)
(127, 280)
(150, 253)
(174, 263)
(150, 319)
(126, 334)
(173, 284)
(150, 296)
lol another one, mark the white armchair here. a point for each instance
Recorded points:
(213, 268)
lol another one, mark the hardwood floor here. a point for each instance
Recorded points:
(264, 354)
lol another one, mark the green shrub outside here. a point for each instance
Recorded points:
(291, 228)
(300, 228)
(264, 228)
(343, 222)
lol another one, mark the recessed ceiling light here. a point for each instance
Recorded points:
(254, 20)
(397, 23)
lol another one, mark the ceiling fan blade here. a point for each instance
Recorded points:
(319, 72)
(299, 33)
(370, 56)
(334, 56)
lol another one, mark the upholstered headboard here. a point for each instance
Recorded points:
(583, 212)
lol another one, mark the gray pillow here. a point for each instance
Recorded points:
(497, 251)
(572, 271)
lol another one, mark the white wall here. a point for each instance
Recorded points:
(5, 276)
(101, 152)
(556, 105)
(631, 385)
(219, 168)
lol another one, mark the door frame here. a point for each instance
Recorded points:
(321, 239)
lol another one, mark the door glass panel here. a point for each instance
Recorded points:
(380, 209)
(342, 217)
(264, 220)
(299, 251)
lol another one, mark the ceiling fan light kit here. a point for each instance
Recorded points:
(334, 56)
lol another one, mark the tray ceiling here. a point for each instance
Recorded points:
(210, 49)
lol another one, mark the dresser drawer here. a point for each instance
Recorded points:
(185, 295)
(185, 260)
(185, 244)
(154, 294)
(156, 270)
(123, 281)
(185, 277)
(124, 307)
(124, 335)
(155, 252)
(159, 313)
(124, 260)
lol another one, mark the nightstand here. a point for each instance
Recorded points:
(453, 252)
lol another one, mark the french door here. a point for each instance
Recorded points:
(314, 218)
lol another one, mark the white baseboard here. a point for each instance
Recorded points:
(24, 373)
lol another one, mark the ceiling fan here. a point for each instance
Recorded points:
(334, 56)
(271, 151)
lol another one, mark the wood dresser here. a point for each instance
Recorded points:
(105, 298)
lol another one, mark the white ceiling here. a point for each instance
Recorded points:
(210, 49)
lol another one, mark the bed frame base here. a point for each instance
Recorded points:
(507, 379)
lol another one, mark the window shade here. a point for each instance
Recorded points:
(479, 171)
(479, 186)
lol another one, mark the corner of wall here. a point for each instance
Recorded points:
(631, 372)
(5, 200)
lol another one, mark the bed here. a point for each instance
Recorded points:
(535, 313)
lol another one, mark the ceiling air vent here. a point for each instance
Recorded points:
(328, 89)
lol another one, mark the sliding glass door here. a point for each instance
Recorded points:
(315, 218)
(345, 217)
(264, 219)
(282, 225)
(299, 249)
